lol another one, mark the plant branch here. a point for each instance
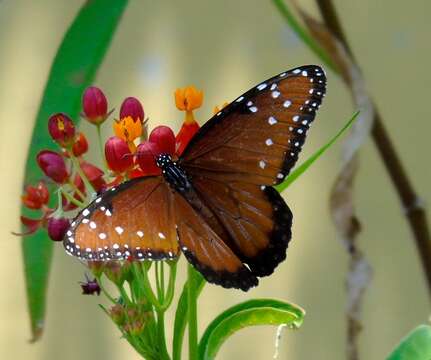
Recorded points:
(414, 210)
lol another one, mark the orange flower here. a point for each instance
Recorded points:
(188, 98)
(128, 130)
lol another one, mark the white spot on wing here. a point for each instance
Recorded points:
(241, 98)
(269, 142)
(119, 230)
(93, 224)
(262, 164)
(140, 233)
(162, 236)
(272, 120)
(253, 109)
(86, 212)
(287, 103)
(262, 86)
(102, 236)
(275, 94)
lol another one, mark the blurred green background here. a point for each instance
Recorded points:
(225, 47)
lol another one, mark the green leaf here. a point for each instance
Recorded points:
(415, 346)
(249, 313)
(181, 315)
(74, 68)
(306, 164)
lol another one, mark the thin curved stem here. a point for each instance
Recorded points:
(414, 210)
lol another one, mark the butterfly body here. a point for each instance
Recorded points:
(216, 203)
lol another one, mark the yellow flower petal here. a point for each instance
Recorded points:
(127, 129)
(188, 98)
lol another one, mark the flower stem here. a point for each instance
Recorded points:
(78, 169)
(71, 198)
(161, 335)
(142, 275)
(77, 190)
(102, 152)
(192, 314)
(105, 292)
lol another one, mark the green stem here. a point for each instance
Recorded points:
(192, 314)
(78, 169)
(77, 190)
(141, 273)
(104, 291)
(158, 283)
(124, 294)
(71, 198)
(162, 282)
(181, 315)
(171, 286)
(161, 335)
(102, 152)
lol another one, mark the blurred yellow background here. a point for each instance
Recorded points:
(225, 47)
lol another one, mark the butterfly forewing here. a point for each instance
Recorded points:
(258, 136)
(133, 220)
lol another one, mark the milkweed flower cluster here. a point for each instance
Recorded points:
(127, 154)
(71, 180)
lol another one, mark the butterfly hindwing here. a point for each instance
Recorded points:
(258, 136)
(256, 218)
(207, 252)
(134, 219)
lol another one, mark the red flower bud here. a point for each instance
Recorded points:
(94, 175)
(118, 314)
(146, 155)
(186, 133)
(52, 164)
(95, 105)
(118, 154)
(36, 196)
(61, 129)
(133, 108)
(90, 287)
(80, 146)
(57, 228)
(164, 137)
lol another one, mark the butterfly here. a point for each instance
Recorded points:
(215, 203)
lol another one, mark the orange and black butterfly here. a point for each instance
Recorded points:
(216, 202)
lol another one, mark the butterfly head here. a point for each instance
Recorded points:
(163, 160)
